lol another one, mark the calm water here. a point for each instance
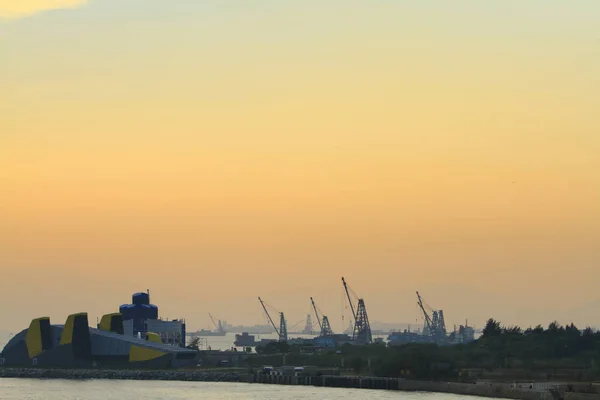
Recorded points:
(32, 389)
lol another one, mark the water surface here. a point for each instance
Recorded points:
(38, 389)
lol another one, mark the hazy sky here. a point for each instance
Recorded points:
(214, 151)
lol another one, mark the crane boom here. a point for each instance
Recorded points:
(361, 333)
(316, 313)
(213, 321)
(324, 326)
(428, 320)
(268, 316)
(349, 299)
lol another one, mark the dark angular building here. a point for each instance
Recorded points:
(76, 345)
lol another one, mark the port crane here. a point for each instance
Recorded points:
(324, 325)
(282, 331)
(219, 326)
(434, 326)
(308, 328)
(362, 329)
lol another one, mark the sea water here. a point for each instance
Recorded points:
(39, 389)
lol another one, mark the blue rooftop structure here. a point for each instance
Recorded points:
(141, 317)
(139, 311)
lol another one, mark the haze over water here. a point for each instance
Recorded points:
(215, 151)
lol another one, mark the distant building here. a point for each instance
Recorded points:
(141, 317)
(76, 345)
(406, 337)
(332, 341)
(326, 342)
(465, 334)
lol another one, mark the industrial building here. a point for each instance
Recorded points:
(141, 317)
(434, 330)
(76, 345)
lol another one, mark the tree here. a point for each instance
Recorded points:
(512, 330)
(492, 328)
(274, 348)
(554, 328)
(194, 343)
(588, 331)
(572, 330)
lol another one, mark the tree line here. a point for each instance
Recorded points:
(500, 348)
(534, 349)
(554, 342)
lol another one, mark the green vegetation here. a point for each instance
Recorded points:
(275, 348)
(556, 347)
(194, 343)
(501, 353)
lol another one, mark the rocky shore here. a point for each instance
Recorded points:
(188, 376)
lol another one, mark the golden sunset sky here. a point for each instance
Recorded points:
(214, 151)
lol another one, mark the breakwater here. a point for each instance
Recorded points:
(186, 376)
(498, 390)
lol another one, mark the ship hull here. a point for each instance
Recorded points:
(208, 333)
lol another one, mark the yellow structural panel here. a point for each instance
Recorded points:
(67, 334)
(106, 321)
(33, 337)
(153, 337)
(137, 353)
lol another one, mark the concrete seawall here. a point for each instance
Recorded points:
(187, 376)
(493, 390)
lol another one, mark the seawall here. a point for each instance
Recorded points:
(494, 390)
(190, 376)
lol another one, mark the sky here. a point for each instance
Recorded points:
(216, 151)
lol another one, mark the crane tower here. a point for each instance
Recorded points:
(323, 323)
(308, 328)
(282, 331)
(361, 333)
(435, 326)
